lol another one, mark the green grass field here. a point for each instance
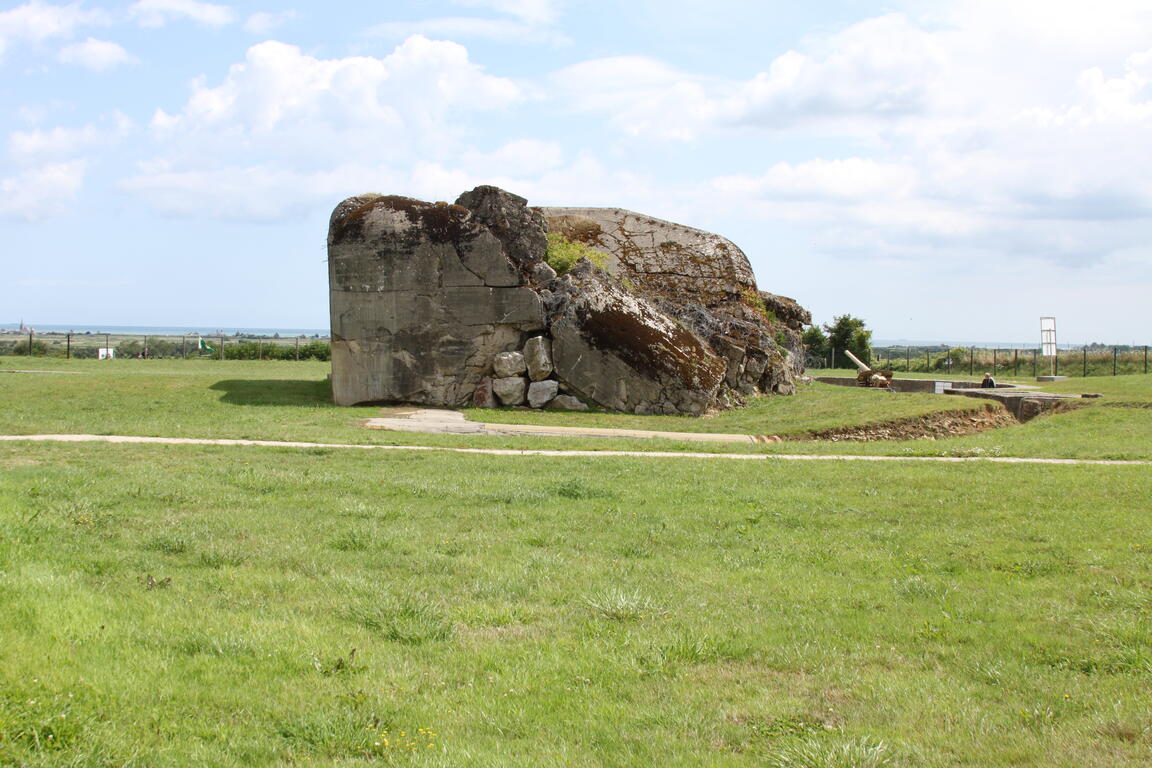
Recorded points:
(184, 605)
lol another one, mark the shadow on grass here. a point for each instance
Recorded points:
(275, 392)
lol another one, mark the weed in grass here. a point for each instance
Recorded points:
(820, 753)
(153, 583)
(1126, 732)
(331, 732)
(410, 620)
(573, 488)
(351, 541)
(685, 649)
(168, 545)
(342, 665)
(451, 548)
(83, 514)
(39, 721)
(792, 726)
(917, 587)
(204, 644)
(616, 604)
(218, 559)
(392, 742)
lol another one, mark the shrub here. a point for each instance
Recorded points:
(563, 254)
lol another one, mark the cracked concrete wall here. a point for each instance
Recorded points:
(422, 297)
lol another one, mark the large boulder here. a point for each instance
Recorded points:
(435, 304)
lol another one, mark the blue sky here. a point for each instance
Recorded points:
(948, 171)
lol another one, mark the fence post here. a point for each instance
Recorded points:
(1056, 362)
(1085, 361)
(971, 360)
(907, 358)
(183, 347)
(1034, 354)
(221, 346)
(927, 361)
(68, 348)
(1145, 358)
(29, 343)
(1115, 354)
(1015, 362)
(297, 349)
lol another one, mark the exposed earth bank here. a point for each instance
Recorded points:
(931, 426)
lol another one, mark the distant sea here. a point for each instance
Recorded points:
(169, 330)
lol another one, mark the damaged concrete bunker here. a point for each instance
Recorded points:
(452, 305)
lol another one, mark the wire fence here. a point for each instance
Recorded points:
(1093, 360)
(121, 345)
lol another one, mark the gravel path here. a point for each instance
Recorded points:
(586, 454)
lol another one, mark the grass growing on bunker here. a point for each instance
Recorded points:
(175, 605)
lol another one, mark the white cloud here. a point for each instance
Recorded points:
(95, 54)
(877, 70)
(451, 27)
(981, 131)
(258, 192)
(536, 12)
(282, 115)
(157, 13)
(638, 94)
(522, 157)
(532, 21)
(36, 22)
(263, 22)
(847, 179)
(39, 146)
(880, 68)
(41, 191)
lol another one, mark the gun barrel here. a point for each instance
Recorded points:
(853, 358)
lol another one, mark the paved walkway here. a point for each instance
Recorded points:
(441, 422)
(585, 454)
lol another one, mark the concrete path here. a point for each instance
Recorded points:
(441, 422)
(583, 454)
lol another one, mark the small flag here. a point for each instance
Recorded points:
(204, 346)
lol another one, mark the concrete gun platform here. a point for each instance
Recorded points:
(443, 422)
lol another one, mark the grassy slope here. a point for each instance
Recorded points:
(552, 612)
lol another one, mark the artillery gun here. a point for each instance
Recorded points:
(866, 377)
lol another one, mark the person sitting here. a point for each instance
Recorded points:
(988, 382)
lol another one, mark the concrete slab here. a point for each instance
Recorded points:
(441, 422)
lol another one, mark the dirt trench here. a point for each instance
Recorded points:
(932, 426)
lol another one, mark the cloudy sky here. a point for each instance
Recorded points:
(946, 170)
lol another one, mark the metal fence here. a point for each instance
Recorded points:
(121, 345)
(1095, 360)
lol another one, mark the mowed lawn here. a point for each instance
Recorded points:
(182, 605)
(291, 401)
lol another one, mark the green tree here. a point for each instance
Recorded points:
(817, 343)
(847, 332)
